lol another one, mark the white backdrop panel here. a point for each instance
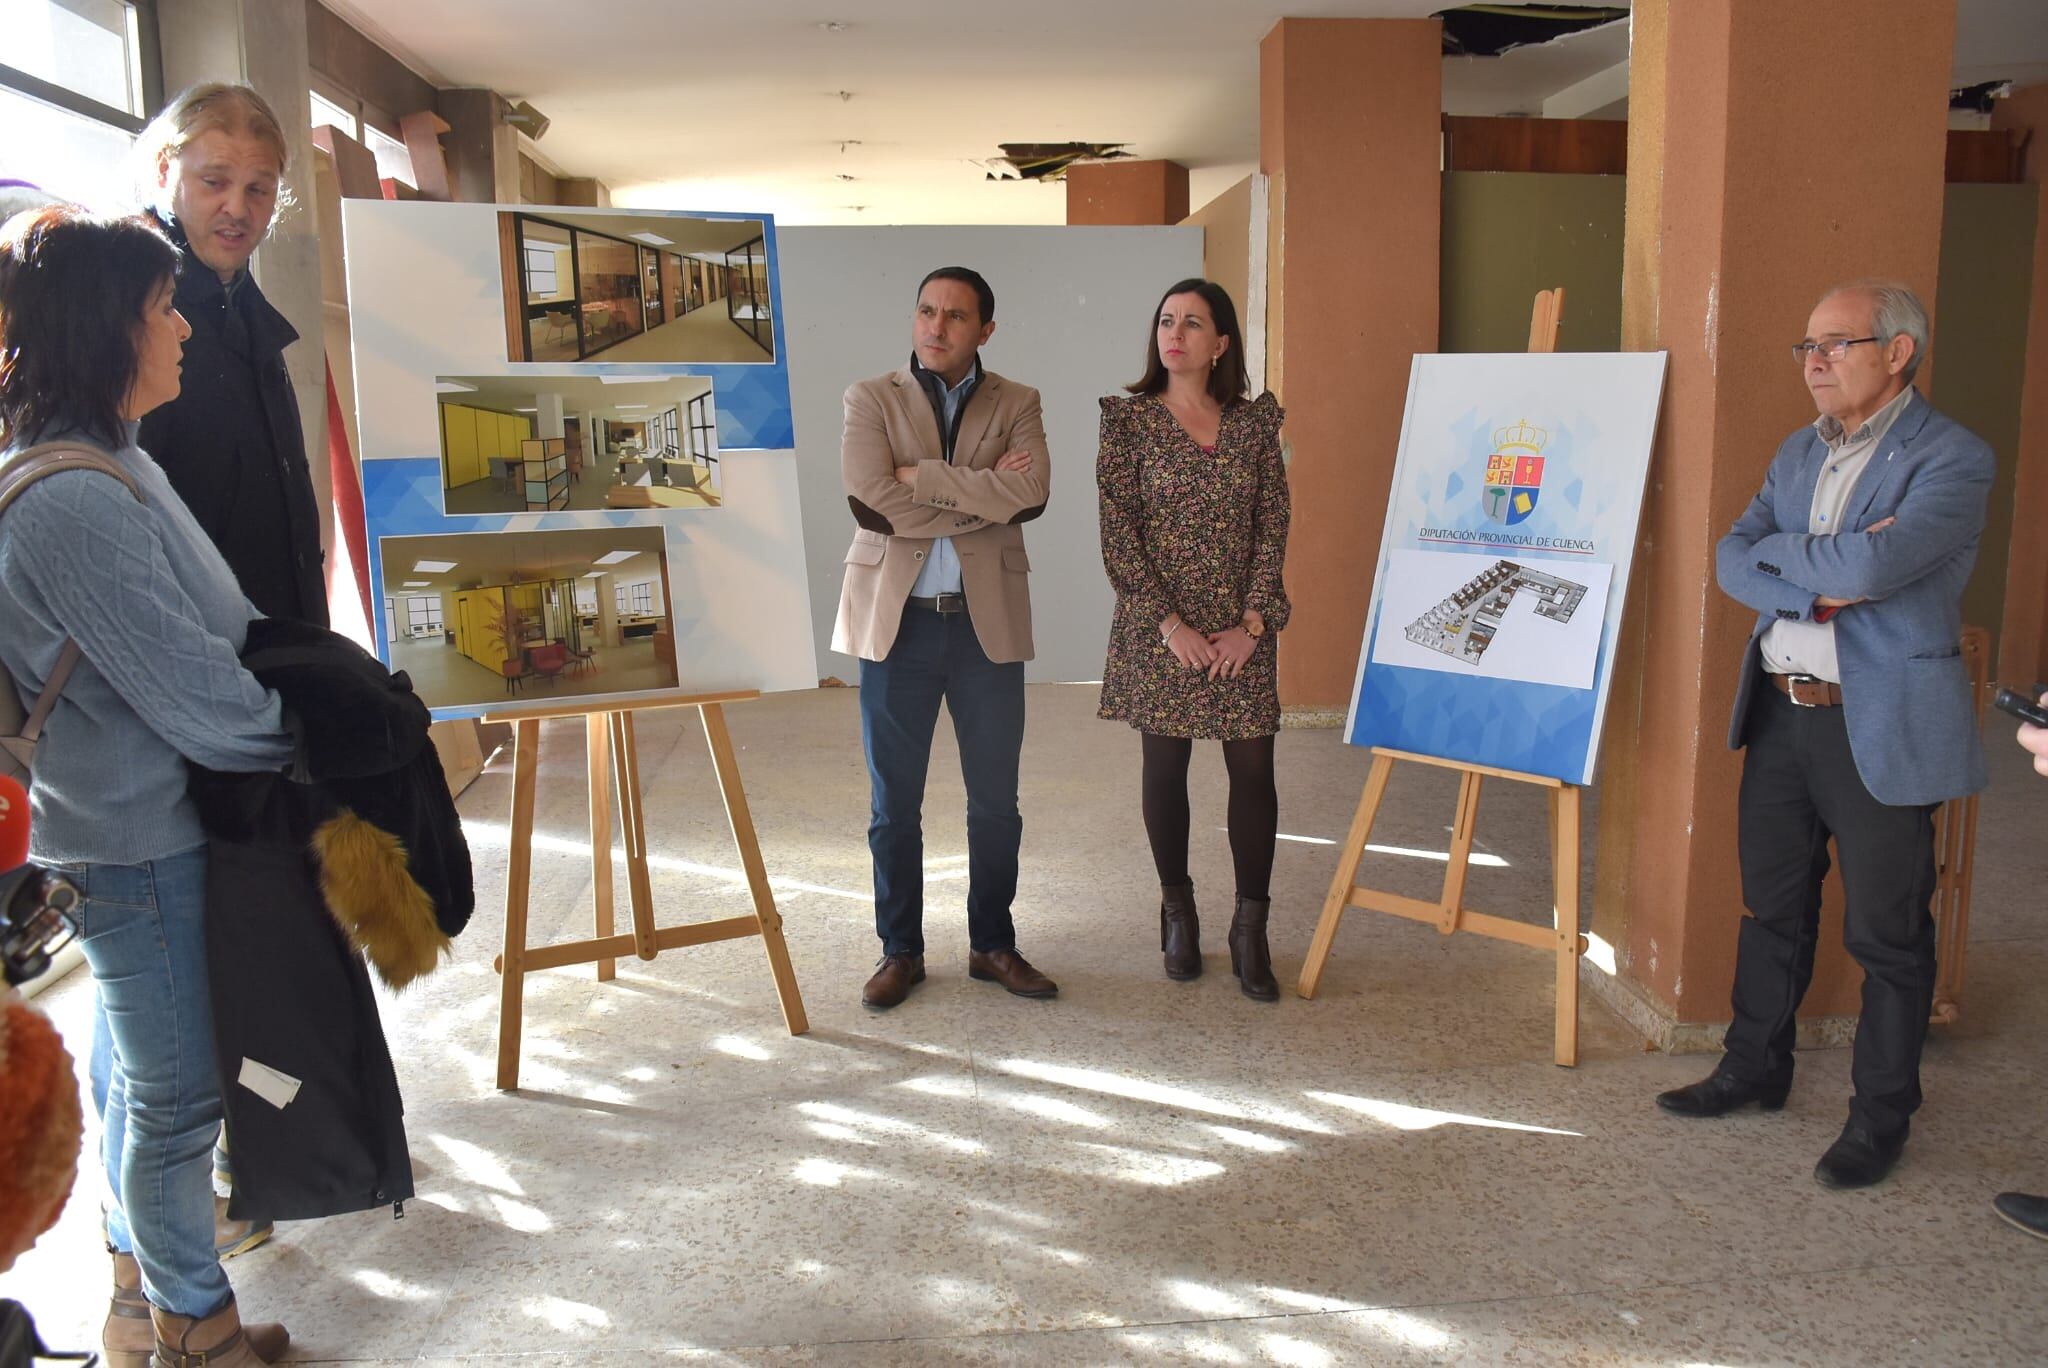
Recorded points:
(1072, 311)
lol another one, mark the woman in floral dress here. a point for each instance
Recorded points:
(1194, 532)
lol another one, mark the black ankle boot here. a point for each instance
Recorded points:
(1180, 931)
(1249, 958)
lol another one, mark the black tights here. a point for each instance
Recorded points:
(1254, 808)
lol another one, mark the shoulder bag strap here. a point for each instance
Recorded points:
(21, 471)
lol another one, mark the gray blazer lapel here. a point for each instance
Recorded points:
(1893, 454)
(1795, 503)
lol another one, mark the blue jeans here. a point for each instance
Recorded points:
(143, 931)
(937, 656)
(100, 1070)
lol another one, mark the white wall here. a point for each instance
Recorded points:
(1073, 309)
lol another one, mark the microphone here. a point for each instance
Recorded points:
(13, 824)
(34, 903)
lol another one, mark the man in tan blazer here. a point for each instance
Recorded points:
(943, 461)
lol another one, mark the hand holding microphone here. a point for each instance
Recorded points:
(13, 825)
(33, 902)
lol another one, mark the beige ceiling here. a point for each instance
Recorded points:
(580, 393)
(759, 106)
(505, 557)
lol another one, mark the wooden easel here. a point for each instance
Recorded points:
(1955, 845)
(614, 762)
(1449, 913)
(1544, 316)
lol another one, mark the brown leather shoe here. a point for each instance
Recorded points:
(232, 1237)
(1012, 970)
(894, 977)
(218, 1341)
(127, 1337)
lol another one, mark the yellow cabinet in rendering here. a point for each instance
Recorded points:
(458, 445)
(471, 438)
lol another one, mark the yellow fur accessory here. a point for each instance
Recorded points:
(371, 893)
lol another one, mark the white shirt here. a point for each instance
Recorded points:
(1808, 648)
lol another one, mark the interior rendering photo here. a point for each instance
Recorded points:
(540, 444)
(500, 618)
(635, 287)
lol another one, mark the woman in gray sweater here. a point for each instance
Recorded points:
(89, 342)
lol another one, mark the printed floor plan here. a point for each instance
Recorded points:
(1464, 625)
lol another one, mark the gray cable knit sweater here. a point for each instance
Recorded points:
(160, 619)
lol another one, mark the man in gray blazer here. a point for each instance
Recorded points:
(1855, 710)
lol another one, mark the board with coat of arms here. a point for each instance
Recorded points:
(1498, 592)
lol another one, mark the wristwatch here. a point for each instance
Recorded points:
(1254, 627)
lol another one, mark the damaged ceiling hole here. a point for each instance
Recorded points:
(1469, 31)
(1048, 161)
(1490, 30)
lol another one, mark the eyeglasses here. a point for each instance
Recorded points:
(1834, 349)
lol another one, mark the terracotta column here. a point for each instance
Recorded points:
(1127, 192)
(1747, 200)
(1350, 132)
(2023, 640)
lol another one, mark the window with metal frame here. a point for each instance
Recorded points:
(703, 430)
(335, 114)
(423, 615)
(78, 80)
(334, 103)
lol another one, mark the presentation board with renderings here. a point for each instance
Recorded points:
(579, 509)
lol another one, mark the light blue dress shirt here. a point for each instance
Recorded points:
(941, 573)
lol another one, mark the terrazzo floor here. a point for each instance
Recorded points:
(1141, 1172)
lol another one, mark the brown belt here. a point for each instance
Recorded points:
(1807, 691)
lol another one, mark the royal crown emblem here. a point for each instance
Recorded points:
(1523, 436)
(1514, 472)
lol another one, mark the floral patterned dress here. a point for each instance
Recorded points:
(1201, 532)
